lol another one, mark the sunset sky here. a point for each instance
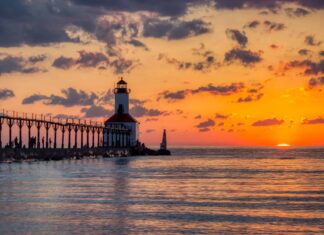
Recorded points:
(211, 72)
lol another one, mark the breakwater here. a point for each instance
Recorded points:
(17, 155)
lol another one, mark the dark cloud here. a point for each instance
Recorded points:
(221, 116)
(206, 124)
(318, 120)
(270, 4)
(253, 24)
(311, 67)
(137, 102)
(91, 59)
(245, 57)
(174, 30)
(172, 96)
(311, 41)
(34, 98)
(297, 12)
(273, 26)
(37, 59)
(85, 60)
(70, 97)
(268, 122)
(12, 64)
(237, 36)
(274, 46)
(6, 94)
(223, 90)
(122, 65)
(32, 22)
(66, 116)
(106, 98)
(150, 131)
(316, 82)
(140, 111)
(63, 62)
(167, 8)
(207, 62)
(268, 25)
(198, 117)
(321, 53)
(95, 60)
(137, 43)
(250, 98)
(96, 111)
(304, 52)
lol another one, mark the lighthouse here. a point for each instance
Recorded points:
(122, 117)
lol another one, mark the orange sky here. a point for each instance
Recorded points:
(220, 83)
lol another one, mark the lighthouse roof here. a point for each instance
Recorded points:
(122, 82)
(121, 117)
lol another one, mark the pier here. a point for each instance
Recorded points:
(44, 135)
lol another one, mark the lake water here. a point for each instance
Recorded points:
(195, 191)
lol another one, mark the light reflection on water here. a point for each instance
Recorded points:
(211, 191)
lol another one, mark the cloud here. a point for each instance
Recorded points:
(259, 4)
(304, 52)
(237, 36)
(63, 62)
(85, 60)
(253, 24)
(310, 67)
(34, 98)
(223, 90)
(221, 116)
(268, 122)
(174, 30)
(204, 126)
(150, 131)
(37, 59)
(95, 60)
(318, 120)
(268, 25)
(140, 111)
(6, 94)
(297, 12)
(311, 41)
(66, 116)
(273, 26)
(13, 64)
(245, 57)
(250, 98)
(27, 22)
(198, 117)
(321, 53)
(316, 82)
(96, 111)
(71, 97)
(167, 8)
(137, 43)
(107, 97)
(207, 62)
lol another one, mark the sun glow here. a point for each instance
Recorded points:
(283, 145)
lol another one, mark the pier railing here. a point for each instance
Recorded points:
(95, 133)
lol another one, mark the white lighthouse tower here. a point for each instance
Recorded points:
(122, 116)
